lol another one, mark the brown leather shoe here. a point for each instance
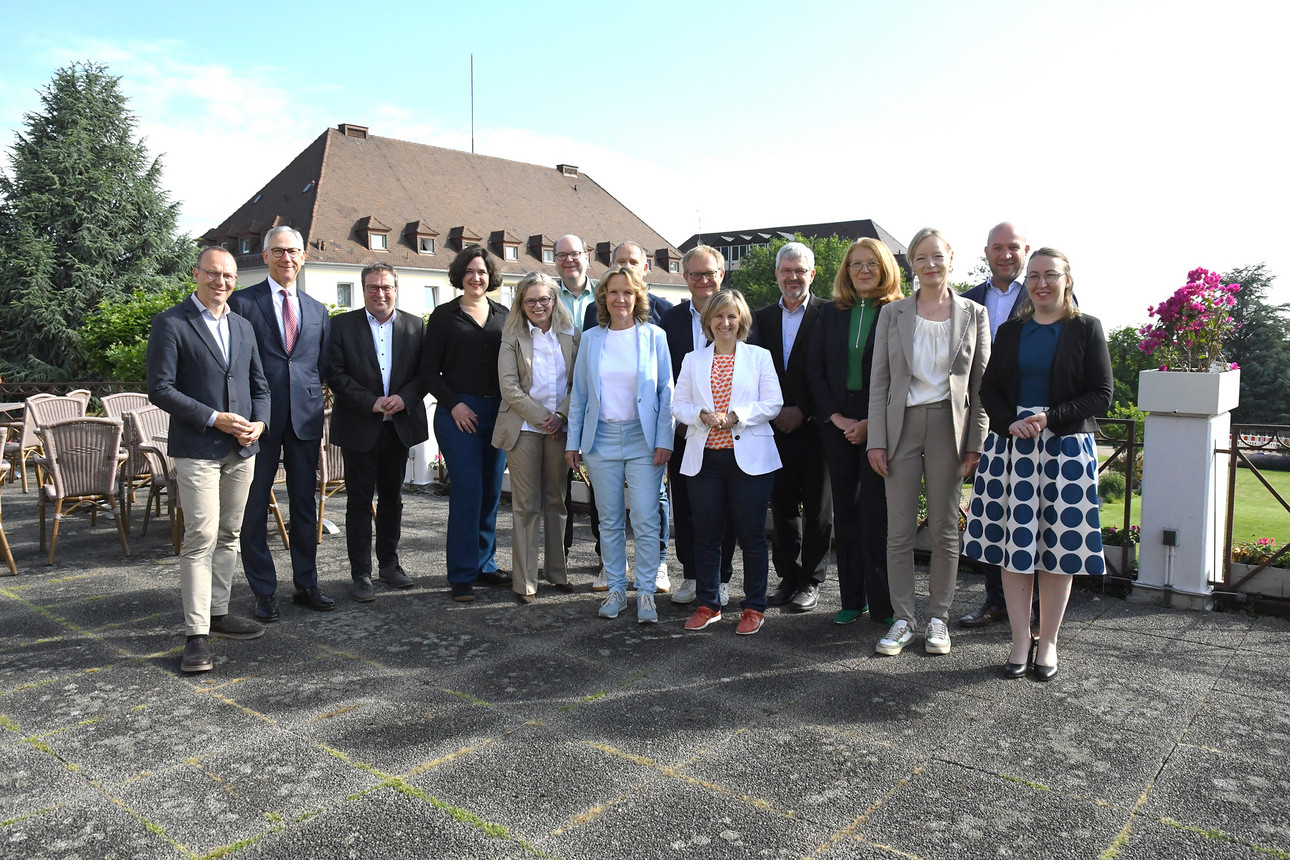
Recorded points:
(987, 614)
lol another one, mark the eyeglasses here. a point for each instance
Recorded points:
(1052, 276)
(380, 288)
(568, 255)
(701, 276)
(801, 273)
(218, 276)
(537, 303)
(293, 253)
(863, 266)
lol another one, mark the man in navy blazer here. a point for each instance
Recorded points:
(630, 254)
(204, 369)
(374, 369)
(1006, 250)
(801, 504)
(291, 330)
(705, 269)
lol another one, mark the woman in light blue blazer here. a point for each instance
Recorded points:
(726, 395)
(620, 422)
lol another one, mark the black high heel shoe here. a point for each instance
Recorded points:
(1019, 670)
(1042, 673)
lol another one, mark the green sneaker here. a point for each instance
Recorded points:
(846, 616)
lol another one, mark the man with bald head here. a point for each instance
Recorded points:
(633, 255)
(1006, 250)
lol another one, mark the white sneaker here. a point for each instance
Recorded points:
(687, 593)
(938, 637)
(896, 639)
(724, 593)
(662, 585)
(601, 582)
(615, 603)
(646, 612)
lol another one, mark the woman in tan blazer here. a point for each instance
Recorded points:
(926, 424)
(535, 371)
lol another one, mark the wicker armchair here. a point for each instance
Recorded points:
(82, 456)
(27, 444)
(145, 431)
(4, 541)
(116, 405)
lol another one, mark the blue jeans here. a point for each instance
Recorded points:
(621, 455)
(722, 493)
(475, 470)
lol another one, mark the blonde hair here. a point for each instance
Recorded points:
(717, 304)
(1069, 308)
(845, 294)
(516, 319)
(640, 309)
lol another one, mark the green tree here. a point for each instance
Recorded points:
(114, 338)
(1261, 347)
(1126, 361)
(83, 220)
(755, 277)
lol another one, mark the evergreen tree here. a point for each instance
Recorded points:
(83, 219)
(1261, 347)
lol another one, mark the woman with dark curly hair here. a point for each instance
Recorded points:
(463, 338)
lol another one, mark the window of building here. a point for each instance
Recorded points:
(246, 246)
(548, 255)
(345, 295)
(510, 252)
(376, 241)
(674, 266)
(431, 298)
(425, 244)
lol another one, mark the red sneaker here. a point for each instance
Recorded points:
(702, 617)
(750, 623)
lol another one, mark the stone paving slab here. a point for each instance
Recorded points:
(417, 727)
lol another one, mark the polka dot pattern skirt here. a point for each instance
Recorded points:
(1034, 505)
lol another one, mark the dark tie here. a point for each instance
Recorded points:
(290, 326)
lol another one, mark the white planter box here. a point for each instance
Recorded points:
(1269, 582)
(1168, 392)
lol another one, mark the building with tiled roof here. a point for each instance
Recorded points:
(734, 244)
(358, 199)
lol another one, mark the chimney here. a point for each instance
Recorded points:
(568, 169)
(350, 130)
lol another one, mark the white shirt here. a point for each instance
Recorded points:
(550, 375)
(618, 372)
(696, 328)
(383, 341)
(277, 307)
(219, 330)
(791, 324)
(998, 304)
(930, 381)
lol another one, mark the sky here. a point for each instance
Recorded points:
(1142, 138)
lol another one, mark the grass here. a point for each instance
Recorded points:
(1258, 514)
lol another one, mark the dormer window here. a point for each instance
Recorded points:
(376, 233)
(425, 244)
(246, 245)
(510, 252)
(674, 267)
(377, 241)
(548, 255)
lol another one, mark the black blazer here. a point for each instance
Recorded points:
(355, 380)
(978, 294)
(296, 379)
(826, 369)
(680, 336)
(768, 324)
(188, 378)
(1080, 380)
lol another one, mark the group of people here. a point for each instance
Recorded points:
(837, 415)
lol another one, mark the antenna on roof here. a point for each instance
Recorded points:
(472, 104)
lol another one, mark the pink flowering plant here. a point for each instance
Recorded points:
(1191, 325)
(1258, 552)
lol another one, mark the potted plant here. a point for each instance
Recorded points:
(1113, 539)
(1187, 338)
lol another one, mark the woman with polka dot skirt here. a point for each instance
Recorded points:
(1034, 501)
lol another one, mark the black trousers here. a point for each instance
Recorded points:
(300, 458)
(378, 472)
(683, 517)
(568, 511)
(801, 508)
(859, 518)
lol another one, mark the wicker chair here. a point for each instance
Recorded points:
(27, 444)
(148, 466)
(83, 395)
(116, 405)
(331, 471)
(4, 541)
(82, 456)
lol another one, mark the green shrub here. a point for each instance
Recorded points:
(1111, 487)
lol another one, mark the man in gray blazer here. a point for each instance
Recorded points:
(291, 331)
(204, 369)
(374, 370)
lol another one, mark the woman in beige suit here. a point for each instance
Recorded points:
(535, 370)
(926, 424)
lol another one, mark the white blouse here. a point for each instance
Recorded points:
(550, 376)
(931, 365)
(619, 369)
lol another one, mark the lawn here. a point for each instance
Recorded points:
(1258, 514)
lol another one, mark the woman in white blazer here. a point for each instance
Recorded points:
(926, 425)
(726, 395)
(620, 421)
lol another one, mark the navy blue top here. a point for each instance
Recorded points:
(1035, 361)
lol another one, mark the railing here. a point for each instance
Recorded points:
(19, 391)
(1123, 434)
(1246, 439)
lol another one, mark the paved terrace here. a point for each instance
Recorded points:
(416, 727)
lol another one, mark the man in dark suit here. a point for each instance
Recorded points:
(291, 331)
(204, 369)
(374, 370)
(800, 503)
(630, 254)
(1006, 251)
(704, 269)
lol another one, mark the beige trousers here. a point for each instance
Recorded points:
(927, 452)
(537, 468)
(213, 494)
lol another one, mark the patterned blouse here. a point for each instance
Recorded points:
(723, 374)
